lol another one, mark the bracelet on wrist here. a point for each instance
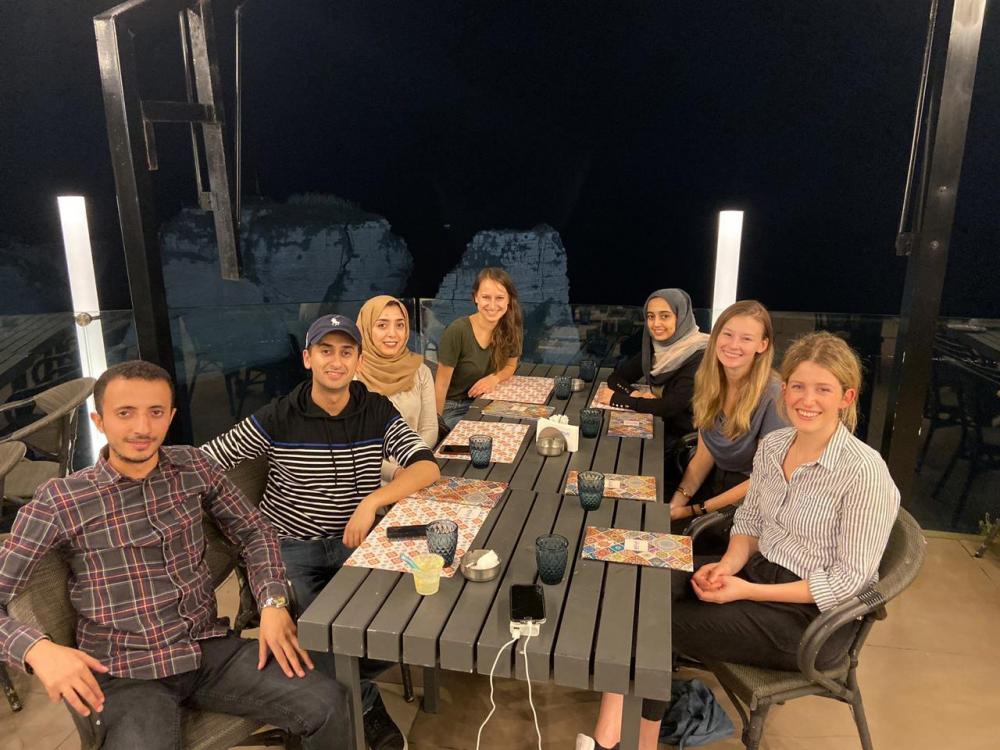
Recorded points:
(680, 489)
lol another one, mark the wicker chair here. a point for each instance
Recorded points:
(758, 689)
(52, 435)
(44, 603)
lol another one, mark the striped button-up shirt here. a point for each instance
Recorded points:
(829, 525)
(139, 580)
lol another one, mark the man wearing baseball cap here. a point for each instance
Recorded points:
(325, 442)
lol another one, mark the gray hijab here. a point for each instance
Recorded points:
(660, 359)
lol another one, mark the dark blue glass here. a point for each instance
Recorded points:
(591, 421)
(588, 370)
(563, 387)
(590, 486)
(550, 554)
(480, 450)
(442, 539)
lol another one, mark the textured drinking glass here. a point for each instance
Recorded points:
(563, 387)
(588, 370)
(590, 486)
(480, 450)
(427, 576)
(442, 539)
(550, 554)
(591, 421)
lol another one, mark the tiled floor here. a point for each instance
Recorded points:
(930, 675)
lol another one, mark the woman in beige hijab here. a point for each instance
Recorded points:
(389, 368)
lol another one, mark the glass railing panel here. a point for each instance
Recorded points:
(958, 466)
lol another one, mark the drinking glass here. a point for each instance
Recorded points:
(480, 450)
(563, 387)
(550, 554)
(442, 539)
(590, 486)
(427, 576)
(588, 370)
(591, 421)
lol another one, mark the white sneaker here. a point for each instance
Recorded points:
(583, 742)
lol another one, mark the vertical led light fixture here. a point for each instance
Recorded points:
(83, 290)
(727, 261)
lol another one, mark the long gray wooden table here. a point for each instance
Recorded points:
(607, 626)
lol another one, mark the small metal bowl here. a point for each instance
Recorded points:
(550, 442)
(576, 384)
(470, 557)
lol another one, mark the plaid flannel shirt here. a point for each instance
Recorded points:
(139, 580)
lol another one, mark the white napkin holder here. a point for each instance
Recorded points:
(561, 422)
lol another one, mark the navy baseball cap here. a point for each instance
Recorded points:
(330, 324)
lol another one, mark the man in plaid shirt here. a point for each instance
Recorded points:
(149, 637)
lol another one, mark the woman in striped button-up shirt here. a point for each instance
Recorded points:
(809, 536)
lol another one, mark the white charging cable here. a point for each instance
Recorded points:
(527, 676)
(493, 669)
(493, 705)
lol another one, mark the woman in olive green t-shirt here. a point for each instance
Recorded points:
(480, 351)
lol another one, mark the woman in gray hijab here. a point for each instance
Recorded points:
(672, 348)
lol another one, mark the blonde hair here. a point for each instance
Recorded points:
(833, 354)
(508, 336)
(710, 384)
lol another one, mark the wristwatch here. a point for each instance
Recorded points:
(274, 601)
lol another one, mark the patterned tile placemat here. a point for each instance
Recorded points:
(507, 439)
(526, 389)
(376, 551)
(622, 486)
(463, 491)
(638, 548)
(629, 424)
(603, 390)
(518, 411)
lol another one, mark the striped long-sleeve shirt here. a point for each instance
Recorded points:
(320, 467)
(829, 525)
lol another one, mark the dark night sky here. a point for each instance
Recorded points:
(626, 126)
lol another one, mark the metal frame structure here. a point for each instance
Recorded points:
(926, 268)
(131, 122)
(939, 140)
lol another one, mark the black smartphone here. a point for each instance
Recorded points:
(454, 449)
(527, 602)
(416, 531)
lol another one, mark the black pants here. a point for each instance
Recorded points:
(147, 713)
(761, 634)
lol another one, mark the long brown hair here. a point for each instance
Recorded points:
(710, 382)
(833, 354)
(508, 336)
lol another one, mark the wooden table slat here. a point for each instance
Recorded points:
(522, 569)
(613, 647)
(348, 630)
(314, 623)
(420, 638)
(574, 645)
(459, 636)
(569, 523)
(652, 634)
(385, 633)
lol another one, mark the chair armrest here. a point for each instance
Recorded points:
(868, 602)
(712, 520)
(11, 405)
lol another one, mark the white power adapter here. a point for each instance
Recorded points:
(522, 628)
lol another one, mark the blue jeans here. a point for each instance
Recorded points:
(454, 411)
(147, 713)
(311, 564)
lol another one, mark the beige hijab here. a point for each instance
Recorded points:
(382, 374)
